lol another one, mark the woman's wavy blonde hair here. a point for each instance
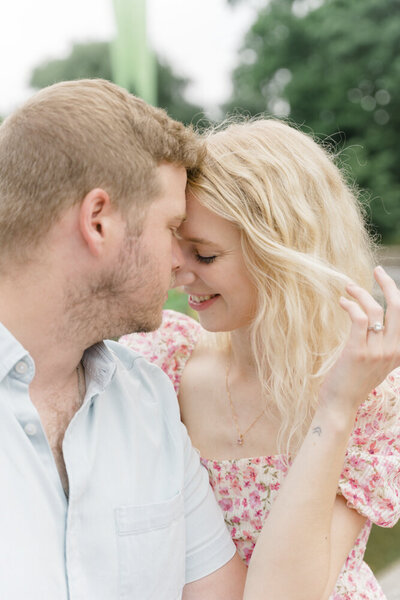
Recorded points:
(303, 237)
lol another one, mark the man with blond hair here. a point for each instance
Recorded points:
(102, 496)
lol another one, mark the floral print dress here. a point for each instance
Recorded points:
(246, 488)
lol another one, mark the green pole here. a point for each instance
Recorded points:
(132, 60)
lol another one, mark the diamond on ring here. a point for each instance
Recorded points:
(376, 327)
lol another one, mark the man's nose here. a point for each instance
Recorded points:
(177, 255)
(182, 274)
(183, 277)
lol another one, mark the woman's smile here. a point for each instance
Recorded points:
(202, 302)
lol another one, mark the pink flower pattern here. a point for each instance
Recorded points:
(246, 488)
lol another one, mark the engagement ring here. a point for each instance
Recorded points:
(376, 327)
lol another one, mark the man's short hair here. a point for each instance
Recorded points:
(75, 136)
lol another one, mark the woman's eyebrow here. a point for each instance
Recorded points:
(196, 240)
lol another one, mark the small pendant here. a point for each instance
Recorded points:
(240, 441)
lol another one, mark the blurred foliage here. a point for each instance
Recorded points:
(93, 60)
(85, 60)
(177, 300)
(383, 547)
(333, 67)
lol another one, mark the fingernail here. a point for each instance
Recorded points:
(380, 269)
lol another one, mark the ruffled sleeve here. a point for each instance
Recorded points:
(170, 346)
(370, 480)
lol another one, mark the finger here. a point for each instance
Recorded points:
(387, 285)
(359, 322)
(392, 317)
(370, 306)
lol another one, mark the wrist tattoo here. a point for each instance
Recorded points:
(317, 430)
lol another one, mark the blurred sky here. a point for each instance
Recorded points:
(199, 38)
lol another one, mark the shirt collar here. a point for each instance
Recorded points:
(11, 351)
(98, 360)
(100, 365)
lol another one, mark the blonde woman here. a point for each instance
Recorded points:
(280, 383)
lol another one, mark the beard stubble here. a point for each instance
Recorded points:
(124, 299)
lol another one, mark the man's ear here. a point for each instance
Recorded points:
(95, 219)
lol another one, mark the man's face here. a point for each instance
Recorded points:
(135, 288)
(158, 254)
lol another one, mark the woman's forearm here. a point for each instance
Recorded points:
(295, 557)
(293, 553)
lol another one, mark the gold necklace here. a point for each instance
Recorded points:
(240, 439)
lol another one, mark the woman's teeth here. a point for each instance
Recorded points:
(200, 299)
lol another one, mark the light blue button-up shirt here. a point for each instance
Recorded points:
(141, 519)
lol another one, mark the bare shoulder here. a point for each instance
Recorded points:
(201, 392)
(204, 366)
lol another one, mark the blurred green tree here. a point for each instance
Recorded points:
(94, 60)
(333, 67)
(178, 300)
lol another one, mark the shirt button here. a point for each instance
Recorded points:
(21, 367)
(30, 429)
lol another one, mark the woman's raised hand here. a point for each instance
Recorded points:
(373, 347)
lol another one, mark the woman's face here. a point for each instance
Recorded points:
(213, 273)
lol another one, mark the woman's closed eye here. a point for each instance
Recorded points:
(204, 259)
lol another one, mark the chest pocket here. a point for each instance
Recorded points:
(151, 550)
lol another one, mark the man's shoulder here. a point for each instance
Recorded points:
(131, 360)
(123, 355)
(134, 372)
